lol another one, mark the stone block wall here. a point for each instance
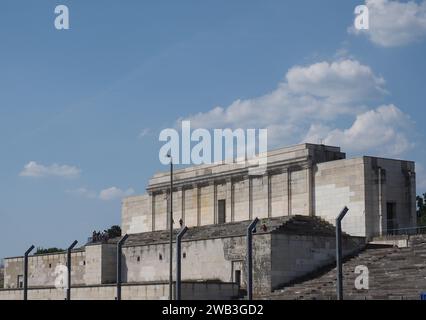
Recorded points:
(93, 274)
(277, 259)
(338, 184)
(101, 260)
(273, 195)
(109, 263)
(285, 190)
(136, 214)
(355, 183)
(209, 259)
(279, 194)
(44, 269)
(149, 291)
(398, 186)
(294, 256)
(190, 207)
(202, 260)
(301, 180)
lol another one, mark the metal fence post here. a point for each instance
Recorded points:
(69, 268)
(250, 229)
(339, 285)
(119, 247)
(179, 262)
(26, 271)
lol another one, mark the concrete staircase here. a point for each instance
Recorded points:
(394, 273)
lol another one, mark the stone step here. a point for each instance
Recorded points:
(394, 274)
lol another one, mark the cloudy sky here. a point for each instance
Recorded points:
(81, 109)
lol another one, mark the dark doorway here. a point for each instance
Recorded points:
(20, 281)
(238, 278)
(391, 217)
(221, 211)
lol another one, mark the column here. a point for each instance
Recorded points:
(289, 191)
(152, 210)
(229, 200)
(179, 206)
(310, 191)
(215, 218)
(269, 181)
(197, 188)
(182, 190)
(207, 194)
(250, 198)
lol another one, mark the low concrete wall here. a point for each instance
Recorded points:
(203, 260)
(148, 291)
(400, 243)
(295, 256)
(43, 269)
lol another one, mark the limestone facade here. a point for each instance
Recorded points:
(305, 179)
(43, 269)
(284, 248)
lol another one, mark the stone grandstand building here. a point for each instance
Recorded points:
(306, 179)
(297, 200)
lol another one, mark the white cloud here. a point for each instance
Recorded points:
(314, 103)
(394, 23)
(144, 133)
(83, 192)
(382, 129)
(107, 194)
(321, 90)
(341, 81)
(33, 169)
(115, 193)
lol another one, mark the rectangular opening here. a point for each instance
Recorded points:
(236, 273)
(391, 217)
(20, 281)
(221, 205)
(237, 278)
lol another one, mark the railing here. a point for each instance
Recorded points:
(91, 240)
(402, 232)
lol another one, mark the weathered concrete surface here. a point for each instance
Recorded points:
(400, 241)
(43, 269)
(393, 274)
(296, 256)
(290, 247)
(93, 265)
(305, 179)
(285, 190)
(100, 264)
(356, 184)
(283, 248)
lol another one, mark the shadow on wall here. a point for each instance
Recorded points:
(1, 277)
(124, 268)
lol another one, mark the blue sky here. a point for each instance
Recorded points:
(81, 109)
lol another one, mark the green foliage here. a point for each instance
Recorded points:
(114, 232)
(421, 210)
(49, 250)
